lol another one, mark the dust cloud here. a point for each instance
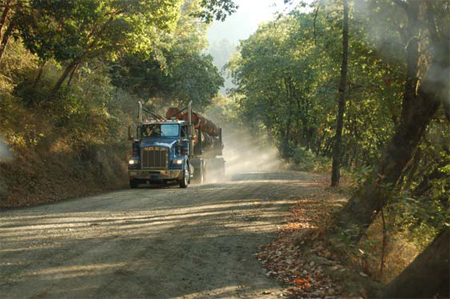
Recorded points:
(246, 152)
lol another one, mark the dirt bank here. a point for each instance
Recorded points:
(34, 177)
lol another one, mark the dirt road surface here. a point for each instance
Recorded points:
(150, 242)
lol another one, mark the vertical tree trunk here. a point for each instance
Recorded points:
(427, 275)
(287, 136)
(412, 57)
(335, 173)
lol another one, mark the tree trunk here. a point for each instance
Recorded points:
(412, 57)
(69, 68)
(6, 37)
(287, 137)
(5, 15)
(75, 68)
(335, 173)
(364, 205)
(427, 275)
(39, 74)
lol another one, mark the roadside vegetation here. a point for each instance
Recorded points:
(71, 74)
(392, 121)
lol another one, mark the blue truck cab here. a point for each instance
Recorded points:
(173, 149)
(160, 153)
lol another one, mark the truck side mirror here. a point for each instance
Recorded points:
(179, 147)
(184, 148)
(130, 134)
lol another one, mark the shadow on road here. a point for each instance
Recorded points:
(149, 242)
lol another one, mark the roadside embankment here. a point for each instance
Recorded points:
(31, 177)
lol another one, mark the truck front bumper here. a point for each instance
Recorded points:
(156, 175)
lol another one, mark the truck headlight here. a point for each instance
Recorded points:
(178, 162)
(132, 162)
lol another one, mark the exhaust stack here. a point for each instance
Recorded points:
(191, 130)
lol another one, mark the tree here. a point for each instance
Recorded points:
(9, 21)
(216, 9)
(421, 100)
(428, 275)
(75, 31)
(335, 173)
(184, 73)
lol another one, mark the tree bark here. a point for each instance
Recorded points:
(427, 275)
(335, 173)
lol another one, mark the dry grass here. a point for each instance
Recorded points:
(33, 177)
(398, 253)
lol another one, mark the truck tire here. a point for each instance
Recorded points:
(134, 183)
(184, 182)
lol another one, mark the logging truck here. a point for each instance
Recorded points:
(181, 147)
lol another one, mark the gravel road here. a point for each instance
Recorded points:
(152, 242)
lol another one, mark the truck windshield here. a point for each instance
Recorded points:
(161, 130)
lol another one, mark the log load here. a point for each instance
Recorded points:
(210, 132)
(198, 120)
(208, 126)
(173, 112)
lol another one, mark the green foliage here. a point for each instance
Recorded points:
(216, 9)
(105, 47)
(185, 74)
(287, 73)
(79, 30)
(303, 159)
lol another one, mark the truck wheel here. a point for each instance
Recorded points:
(184, 182)
(134, 183)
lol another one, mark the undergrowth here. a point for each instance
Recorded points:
(63, 144)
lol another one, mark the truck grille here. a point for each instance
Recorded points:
(154, 157)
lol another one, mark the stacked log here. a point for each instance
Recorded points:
(208, 126)
(198, 120)
(173, 112)
(209, 131)
(210, 143)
